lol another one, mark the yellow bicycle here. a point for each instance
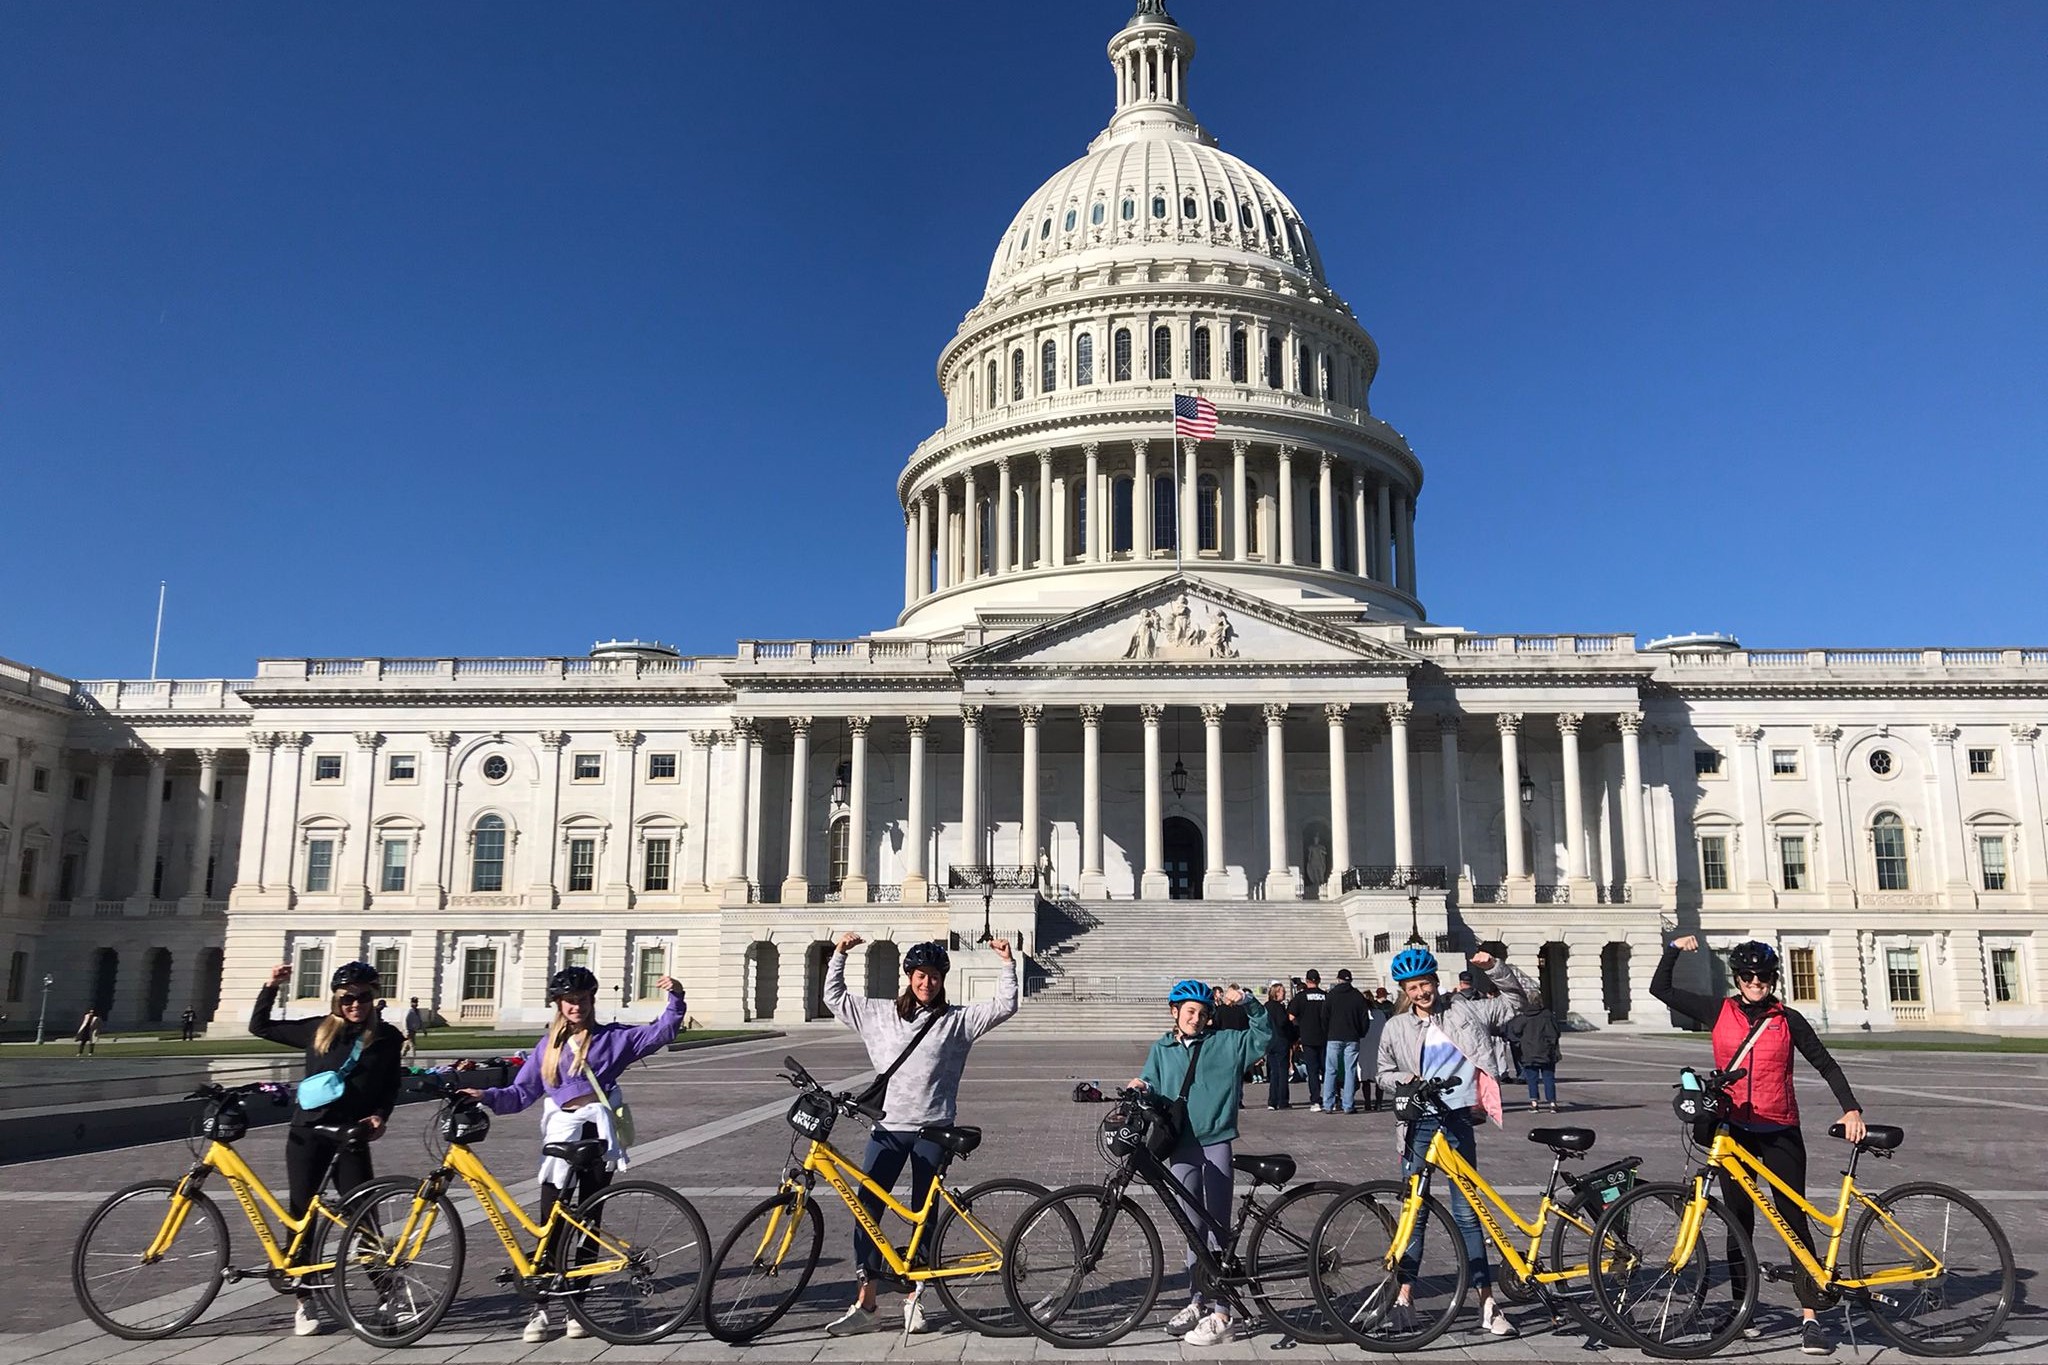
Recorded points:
(765, 1262)
(1679, 1277)
(152, 1257)
(626, 1261)
(1388, 1265)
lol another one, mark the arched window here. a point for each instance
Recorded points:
(835, 851)
(1084, 359)
(487, 855)
(1198, 367)
(1219, 211)
(1308, 372)
(1158, 206)
(1162, 353)
(985, 534)
(1888, 843)
(1251, 517)
(1323, 361)
(1272, 228)
(1016, 376)
(1120, 515)
(1130, 209)
(1120, 355)
(1244, 216)
(1276, 362)
(1068, 225)
(993, 379)
(1045, 228)
(1239, 356)
(1208, 513)
(1189, 209)
(1163, 511)
(1048, 368)
(1095, 214)
(1315, 522)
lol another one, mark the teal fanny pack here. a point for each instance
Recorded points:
(323, 1088)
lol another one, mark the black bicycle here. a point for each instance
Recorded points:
(1083, 1265)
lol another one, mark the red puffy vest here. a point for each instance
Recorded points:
(1765, 1095)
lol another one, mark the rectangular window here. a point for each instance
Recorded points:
(210, 861)
(81, 788)
(582, 864)
(1275, 362)
(1983, 762)
(1802, 974)
(1902, 975)
(1991, 856)
(576, 957)
(67, 877)
(3, 772)
(480, 974)
(309, 976)
(220, 789)
(1706, 762)
(661, 767)
(487, 856)
(1120, 353)
(167, 789)
(17, 975)
(1714, 862)
(1784, 763)
(655, 877)
(39, 780)
(1792, 861)
(1382, 943)
(385, 960)
(401, 768)
(653, 966)
(2005, 976)
(589, 767)
(1238, 356)
(327, 767)
(27, 885)
(397, 853)
(320, 865)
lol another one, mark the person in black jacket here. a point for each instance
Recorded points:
(1311, 1010)
(1536, 1042)
(350, 1035)
(1349, 1022)
(1280, 1047)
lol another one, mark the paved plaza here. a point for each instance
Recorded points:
(711, 1125)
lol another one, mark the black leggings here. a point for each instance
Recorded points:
(306, 1158)
(1783, 1153)
(589, 1180)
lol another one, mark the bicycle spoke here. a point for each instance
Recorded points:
(646, 1245)
(1080, 1270)
(140, 1299)
(1949, 1239)
(1688, 1309)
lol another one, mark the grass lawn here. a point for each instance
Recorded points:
(1962, 1042)
(473, 1042)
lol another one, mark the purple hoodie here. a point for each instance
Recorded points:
(612, 1048)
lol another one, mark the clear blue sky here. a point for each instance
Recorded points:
(500, 328)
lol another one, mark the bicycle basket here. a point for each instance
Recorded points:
(1610, 1182)
(1140, 1122)
(223, 1121)
(813, 1115)
(1702, 1111)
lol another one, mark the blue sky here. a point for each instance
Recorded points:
(500, 328)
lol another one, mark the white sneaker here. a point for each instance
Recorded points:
(307, 1323)
(574, 1328)
(1491, 1319)
(1210, 1331)
(536, 1327)
(1315, 1106)
(1183, 1322)
(913, 1316)
(854, 1321)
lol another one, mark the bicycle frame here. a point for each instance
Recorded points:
(1179, 1200)
(824, 1160)
(254, 1197)
(1442, 1156)
(496, 1202)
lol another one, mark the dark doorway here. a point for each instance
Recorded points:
(1181, 846)
(1553, 974)
(106, 969)
(816, 958)
(157, 995)
(883, 963)
(1614, 963)
(763, 968)
(206, 985)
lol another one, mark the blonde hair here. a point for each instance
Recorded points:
(551, 1054)
(333, 1026)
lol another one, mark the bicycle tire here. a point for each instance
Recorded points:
(1368, 1312)
(111, 1222)
(328, 1230)
(978, 1301)
(1571, 1245)
(1910, 1298)
(1044, 1267)
(727, 1324)
(389, 1302)
(663, 1239)
(1295, 1313)
(1637, 1271)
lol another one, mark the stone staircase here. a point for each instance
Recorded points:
(1103, 967)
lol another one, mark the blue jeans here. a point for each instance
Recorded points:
(1339, 1061)
(1276, 1076)
(883, 1163)
(1539, 1075)
(1458, 1131)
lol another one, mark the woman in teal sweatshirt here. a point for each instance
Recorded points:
(1201, 1163)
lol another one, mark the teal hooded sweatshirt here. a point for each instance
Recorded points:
(1226, 1055)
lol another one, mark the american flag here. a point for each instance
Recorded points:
(1195, 417)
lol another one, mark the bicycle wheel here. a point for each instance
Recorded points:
(1081, 1267)
(662, 1241)
(1950, 1313)
(146, 1299)
(977, 1300)
(1571, 1248)
(1277, 1259)
(398, 1266)
(1358, 1275)
(325, 1235)
(1686, 1310)
(762, 1266)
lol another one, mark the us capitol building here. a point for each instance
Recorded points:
(1128, 669)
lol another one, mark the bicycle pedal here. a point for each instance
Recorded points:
(1780, 1274)
(506, 1276)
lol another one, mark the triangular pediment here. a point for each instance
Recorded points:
(1185, 622)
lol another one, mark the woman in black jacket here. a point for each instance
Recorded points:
(351, 1038)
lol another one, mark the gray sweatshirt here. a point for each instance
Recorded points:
(926, 1088)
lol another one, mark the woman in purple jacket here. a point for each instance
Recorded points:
(575, 1067)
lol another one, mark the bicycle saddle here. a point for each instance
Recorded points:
(338, 1132)
(1266, 1170)
(1877, 1137)
(958, 1141)
(577, 1151)
(1564, 1139)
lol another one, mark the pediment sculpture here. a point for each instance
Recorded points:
(1174, 634)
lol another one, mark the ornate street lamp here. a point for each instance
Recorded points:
(43, 1013)
(1178, 778)
(1528, 789)
(988, 900)
(1415, 939)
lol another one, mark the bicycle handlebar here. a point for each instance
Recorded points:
(277, 1093)
(847, 1104)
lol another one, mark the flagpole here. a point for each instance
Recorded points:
(156, 644)
(1179, 502)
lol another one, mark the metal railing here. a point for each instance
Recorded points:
(980, 877)
(1393, 877)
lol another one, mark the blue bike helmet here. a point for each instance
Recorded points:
(1190, 989)
(930, 957)
(1410, 963)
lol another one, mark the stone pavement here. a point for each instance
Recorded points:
(711, 1125)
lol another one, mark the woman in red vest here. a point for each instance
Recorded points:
(1764, 1031)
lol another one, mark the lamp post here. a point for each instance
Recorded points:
(44, 1012)
(988, 900)
(1415, 939)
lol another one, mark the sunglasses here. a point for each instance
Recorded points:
(358, 1000)
(1765, 977)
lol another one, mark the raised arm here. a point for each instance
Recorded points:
(289, 1032)
(643, 1039)
(845, 1006)
(525, 1089)
(1702, 1008)
(984, 1015)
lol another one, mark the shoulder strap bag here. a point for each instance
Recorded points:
(613, 1100)
(323, 1088)
(1166, 1136)
(879, 1086)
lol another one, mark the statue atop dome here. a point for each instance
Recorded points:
(1152, 9)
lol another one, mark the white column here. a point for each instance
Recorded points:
(1405, 519)
(427, 879)
(756, 750)
(1834, 825)
(854, 890)
(202, 834)
(287, 786)
(624, 781)
(910, 525)
(1091, 799)
(915, 836)
(1575, 871)
(1005, 558)
(89, 886)
(1326, 512)
(738, 741)
(152, 826)
(1239, 521)
(1286, 492)
(1454, 812)
(970, 515)
(1141, 504)
(1361, 541)
(1045, 543)
(1511, 794)
(1279, 879)
(1153, 885)
(1215, 880)
(945, 574)
(1948, 815)
(1063, 550)
(1187, 535)
(2033, 869)
(1402, 792)
(1749, 787)
(796, 887)
(1383, 536)
(353, 874)
(971, 853)
(1340, 798)
(1637, 869)
(1092, 504)
(703, 742)
(1027, 838)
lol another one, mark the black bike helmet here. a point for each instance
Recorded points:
(571, 981)
(929, 957)
(354, 974)
(465, 1124)
(1754, 959)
